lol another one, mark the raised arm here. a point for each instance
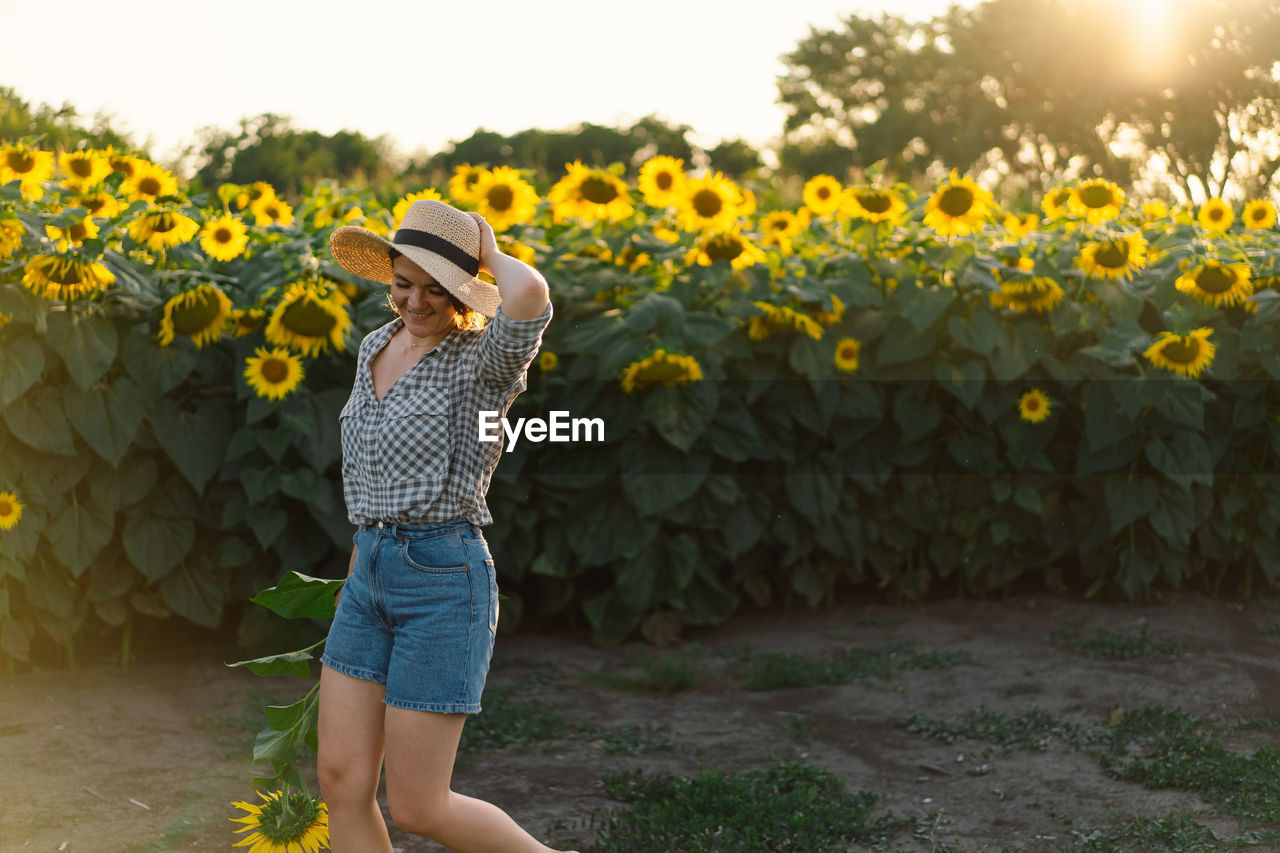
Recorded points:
(523, 289)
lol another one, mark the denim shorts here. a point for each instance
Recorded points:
(418, 613)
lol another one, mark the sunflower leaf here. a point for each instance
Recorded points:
(86, 344)
(21, 363)
(299, 596)
(1129, 500)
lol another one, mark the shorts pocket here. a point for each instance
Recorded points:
(436, 554)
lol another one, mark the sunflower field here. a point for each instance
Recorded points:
(878, 387)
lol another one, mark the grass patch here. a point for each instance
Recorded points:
(630, 739)
(1107, 646)
(778, 671)
(790, 806)
(508, 723)
(1155, 747)
(651, 674)
(1175, 833)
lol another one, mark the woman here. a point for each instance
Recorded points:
(409, 648)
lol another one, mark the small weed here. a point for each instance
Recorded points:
(777, 671)
(790, 806)
(1175, 833)
(802, 727)
(657, 675)
(1035, 730)
(630, 739)
(1107, 646)
(507, 723)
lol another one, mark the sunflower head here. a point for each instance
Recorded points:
(1033, 406)
(1259, 214)
(201, 314)
(547, 361)
(1055, 203)
(1215, 216)
(590, 195)
(1185, 355)
(462, 182)
(847, 350)
(224, 238)
(273, 374)
(288, 822)
(661, 180)
(310, 317)
(959, 206)
(1118, 258)
(1096, 200)
(823, 195)
(775, 319)
(662, 368)
(504, 198)
(10, 510)
(710, 202)
(1215, 283)
(731, 246)
(65, 277)
(402, 206)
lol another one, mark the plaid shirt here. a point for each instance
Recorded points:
(415, 457)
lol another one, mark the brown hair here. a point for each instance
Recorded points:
(464, 316)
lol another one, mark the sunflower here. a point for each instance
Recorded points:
(84, 169)
(504, 198)
(589, 194)
(1259, 214)
(958, 207)
(1055, 202)
(873, 205)
(10, 510)
(829, 318)
(149, 182)
(1039, 293)
(462, 182)
(847, 351)
(515, 249)
(780, 318)
(1215, 216)
(31, 166)
(402, 206)
(286, 823)
(122, 164)
(1020, 226)
(100, 205)
(661, 181)
(72, 235)
(201, 314)
(1185, 355)
(661, 367)
(224, 238)
(273, 374)
(310, 317)
(11, 231)
(548, 360)
(823, 195)
(271, 211)
(728, 246)
(711, 202)
(1096, 200)
(1216, 284)
(1033, 406)
(1114, 259)
(246, 320)
(334, 209)
(65, 277)
(161, 229)
(1153, 210)
(237, 197)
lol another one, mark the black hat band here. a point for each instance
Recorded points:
(452, 253)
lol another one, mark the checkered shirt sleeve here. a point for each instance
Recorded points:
(415, 456)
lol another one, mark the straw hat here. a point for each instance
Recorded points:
(441, 239)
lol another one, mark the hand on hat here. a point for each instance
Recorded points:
(488, 242)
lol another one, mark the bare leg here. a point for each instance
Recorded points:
(421, 748)
(350, 761)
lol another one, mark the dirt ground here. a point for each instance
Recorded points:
(148, 758)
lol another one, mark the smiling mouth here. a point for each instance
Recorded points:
(419, 316)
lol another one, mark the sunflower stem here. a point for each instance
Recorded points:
(126, 641)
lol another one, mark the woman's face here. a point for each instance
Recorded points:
(423, 304)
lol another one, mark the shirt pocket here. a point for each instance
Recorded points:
(350, 422)
(414, 442)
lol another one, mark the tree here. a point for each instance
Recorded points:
(267, 148)
(1042, 91)
(57, 128)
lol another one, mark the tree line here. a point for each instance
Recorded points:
(1026, 92)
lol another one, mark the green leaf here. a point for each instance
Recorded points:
(193, 591)
(267, 523)
(964, 380)
(284, 717)
(156, 542)
(78, 533)
(1105, 423)
(1185, 458)
(1023, 345)
(86, 343)
(979, 333)
(1136, 573)
(681, 414)
(628, 534)
(287, 663)
(657, 313)
(923, 305)
(309, 487)
(21, 363)
(902, 343)
(299, 596)
(156, 369)
(195, 441)
(1183, 402)
(107, 418)
(1129, 500)
(813, 486)
(38, 419)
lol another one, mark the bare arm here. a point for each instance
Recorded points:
(522, 288)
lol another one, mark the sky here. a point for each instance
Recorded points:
(423, 73)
